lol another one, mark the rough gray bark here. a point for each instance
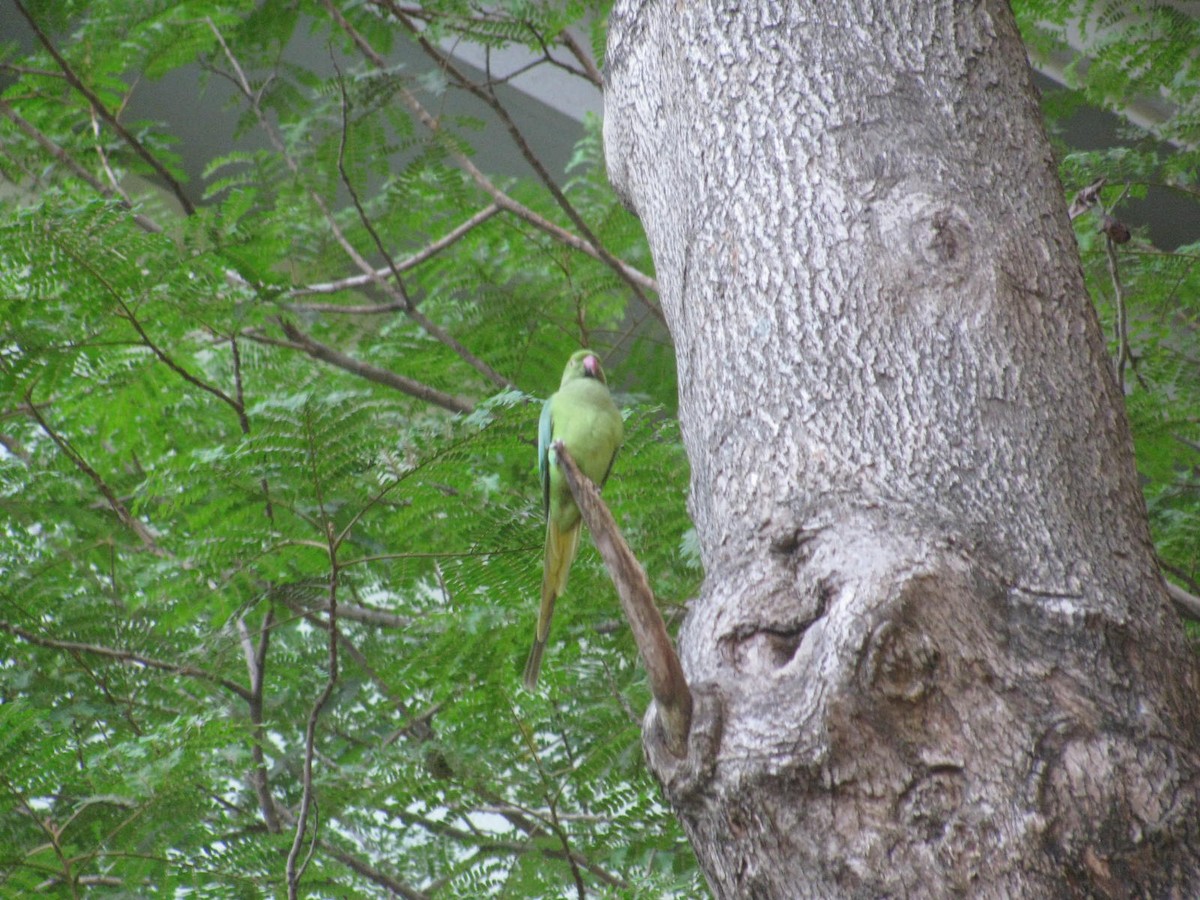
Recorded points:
(933, 655)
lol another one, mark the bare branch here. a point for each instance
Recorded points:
(1186, 603)
(308, 796)
(53, 834)
(88, 266)
(396, 289)
(667, 681)
(166, 358)
(365, 615)
(256, 659)
(395, 286)
(371, 873)
(98, 106)
(585, 59)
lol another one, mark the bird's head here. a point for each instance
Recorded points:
(584, 364)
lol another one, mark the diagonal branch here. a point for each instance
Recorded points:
(667, 681)
(111, 289)
(127, 656)
(144, 222)
(371, 873)
(397, 290)
(298, 340)
(410, 262)
(488, 97)
(54, 836)
(171, 364)
(127, 519)
(585, 59)
(395, 287)
(101, 110)
(501, 199)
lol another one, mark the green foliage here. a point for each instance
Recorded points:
(207, 434)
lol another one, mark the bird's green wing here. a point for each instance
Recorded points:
(545, 429)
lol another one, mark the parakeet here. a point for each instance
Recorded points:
(583, 416)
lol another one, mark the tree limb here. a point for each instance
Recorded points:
(1186, 603)
(256, 662)
(667, 681)
(585, 59)
(126, 656)
(144, 222)
(489, 98)
(395, 287)
(170, 363)
(308, 801)
(101, 110)
(396, 290)
(127, 519)
(410, 262)
(501, 199)
(298, 340)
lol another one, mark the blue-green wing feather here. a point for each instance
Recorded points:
(545, 430)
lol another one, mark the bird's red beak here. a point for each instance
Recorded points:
(591, 366)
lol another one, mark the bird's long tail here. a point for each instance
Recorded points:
(561, 547)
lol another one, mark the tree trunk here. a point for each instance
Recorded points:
(933, 655)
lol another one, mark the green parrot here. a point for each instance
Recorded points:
(583, 416)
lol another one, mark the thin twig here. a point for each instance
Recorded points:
(54, 835)
(111, 289)
(416, 724)
(308, 797)
(144, 222)
(127, 519)
(489, 97)
(113, 181)
(396, 291)
(127, 656)
(298, 340)
(452, 554)
(364, 615)
(551, 819)
(501, 199)
(395, 286)
(371, 873)
(409, 262)
(98, 106)
(171, 364)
